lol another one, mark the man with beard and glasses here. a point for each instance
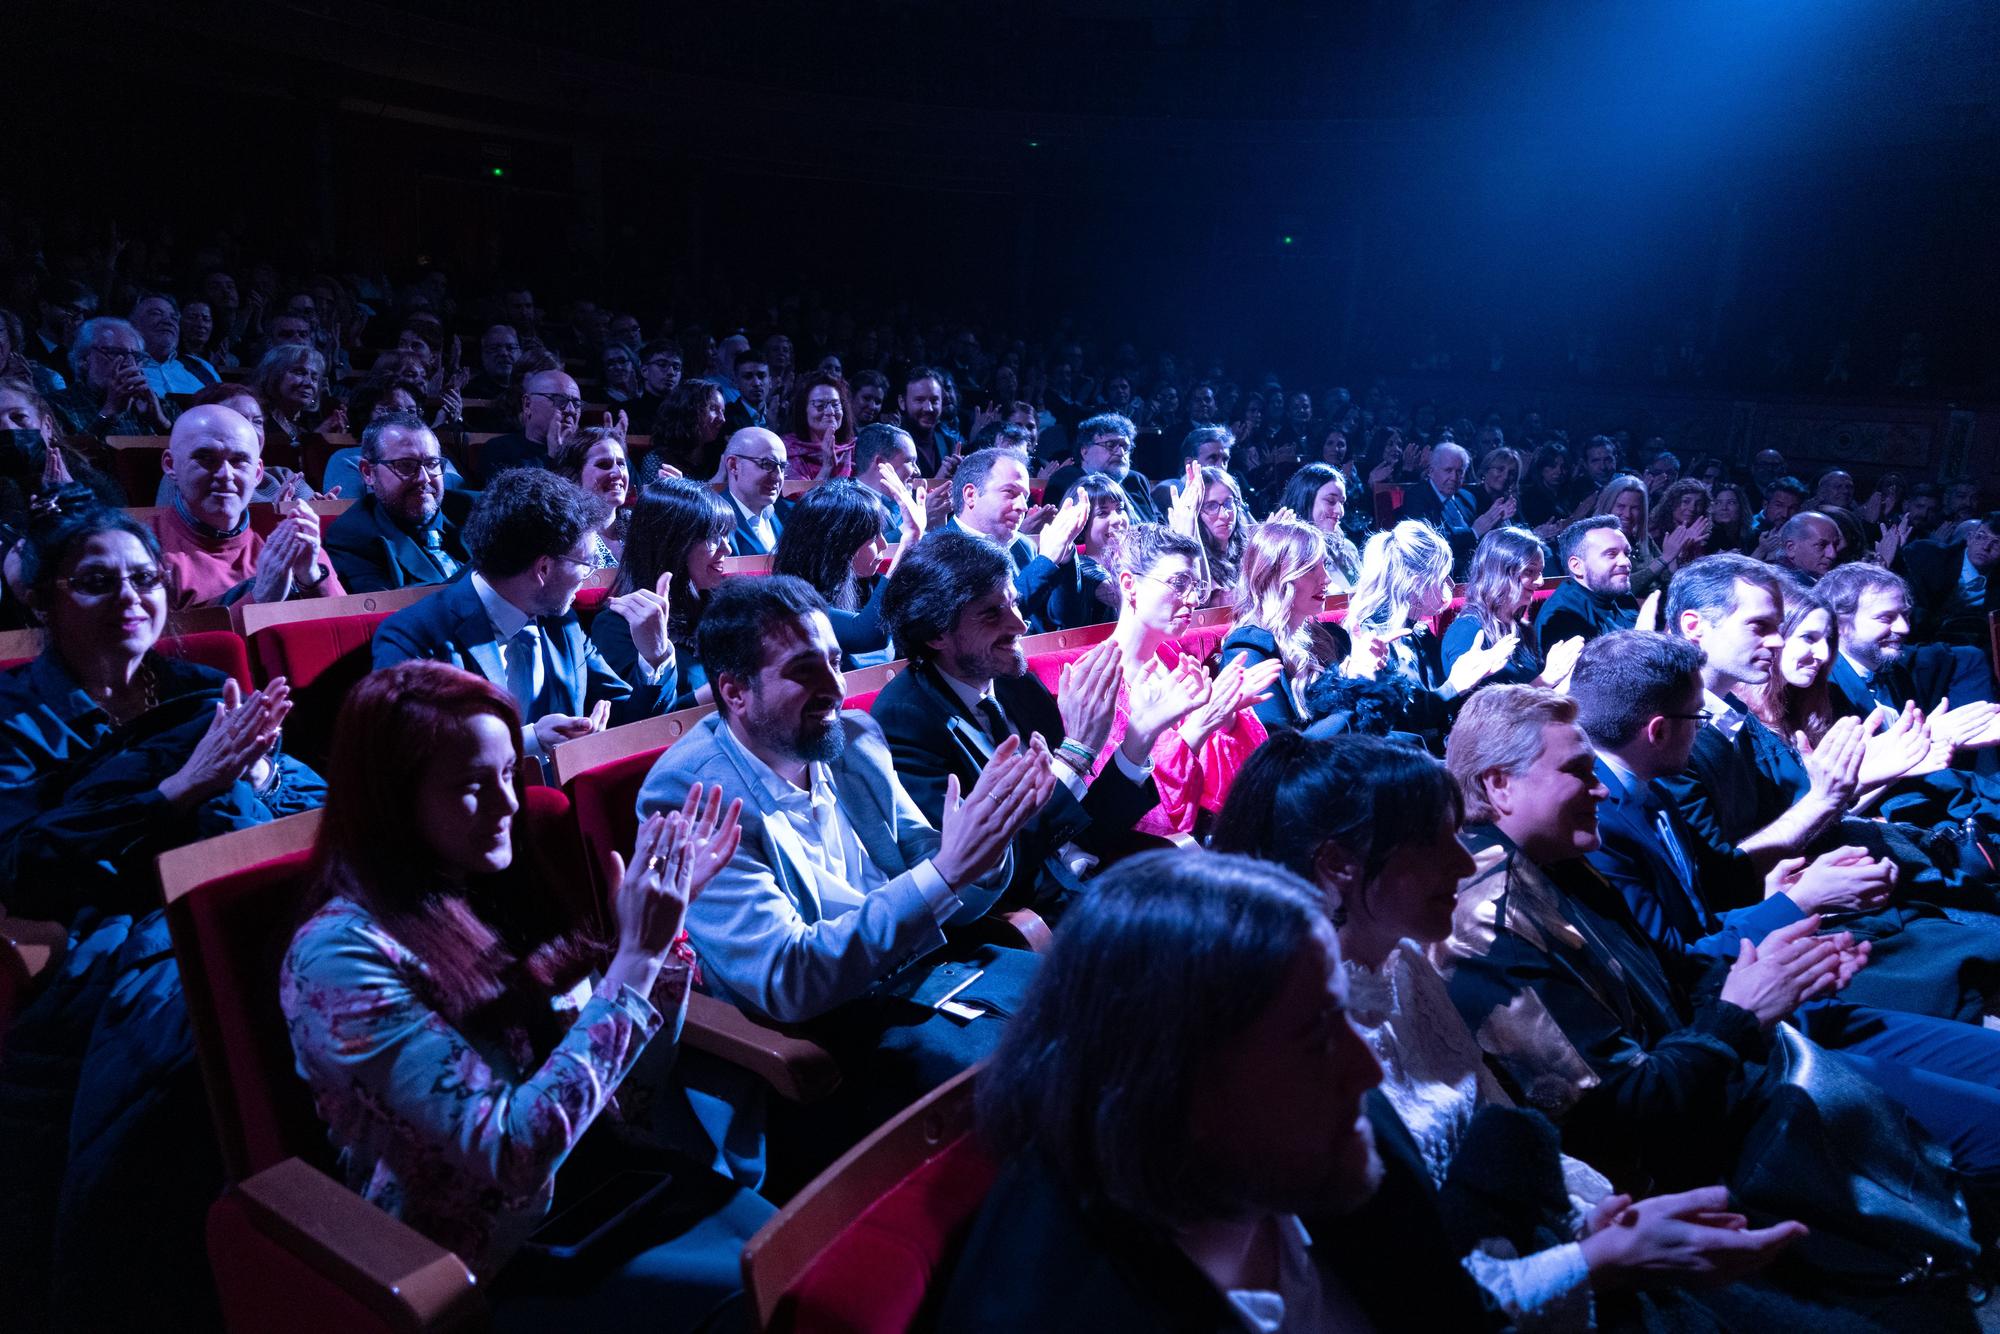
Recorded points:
(832, 913)
(215, 459)
(1204, 1152)
(950, 607)
(407, 528)
(1104, 444)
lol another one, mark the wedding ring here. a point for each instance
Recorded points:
(654, 862)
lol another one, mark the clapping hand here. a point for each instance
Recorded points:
(1834, 765)
(1791, 966)
(1649, 613)
(1087, 695)
(1186, 509)
(1969, 726)
(1560, 663)
(1369, 653)
(1895, 750)
(1893, 537)
(645, 610)
(1057, 540)
(976, 830)
(55, 468)
(1158, 698)
(1234, 688)
(1845, 880)
(239, 735)
(1688, 1238)
(1479, 662)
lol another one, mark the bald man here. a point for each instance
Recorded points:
(551, 407)
(753, 479)
(1808, 544)
(214, 459)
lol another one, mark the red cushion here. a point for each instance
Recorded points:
(239, 927)
(875, 1276)
(223, 650)
(606, 802)
(1203, 643)
(300, 650)
(864, 701)
(588, 600)
(1047, 667)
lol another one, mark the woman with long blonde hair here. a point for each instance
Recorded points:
(1281, 587)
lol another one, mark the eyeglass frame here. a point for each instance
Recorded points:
(1703, 716)
(559, 401)
(769, 465)
(1195, 584)
(159, 576)
(431, 464)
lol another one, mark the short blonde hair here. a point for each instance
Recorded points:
(1500, 728)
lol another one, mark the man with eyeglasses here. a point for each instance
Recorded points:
(499, 350)
(61, 307)
(108, 393)
(406, 529)
(753, 481)
(168, 370)
(513, 620)
(1105, 446)
(215, 458)
(551, 407)
(659, 375)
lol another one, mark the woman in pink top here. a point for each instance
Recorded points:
(1160, 584)
(821, 439)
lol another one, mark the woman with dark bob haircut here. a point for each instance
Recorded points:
(1180, 1086)
(833, 541)
(1373, 824)
(463, 1030)
(679, 528)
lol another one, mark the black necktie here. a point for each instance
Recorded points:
(993, 720)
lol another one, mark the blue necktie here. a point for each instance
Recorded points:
(524, 653)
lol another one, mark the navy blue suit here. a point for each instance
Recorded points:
(1453, 517)
(743, 542)
(1677, 915)
(452, 626)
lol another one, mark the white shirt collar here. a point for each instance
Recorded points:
(507, 618)
(754, 519)
(1727, 719)
(966, 694)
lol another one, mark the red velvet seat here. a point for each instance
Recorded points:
(300, 650)
(219, 649)
(861, 1249)
(1047, 667)
(1203, 642)
(606, 801)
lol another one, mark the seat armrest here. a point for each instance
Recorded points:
(1027, 925)
(795, 1068)
(338, 1241)
(37, 947)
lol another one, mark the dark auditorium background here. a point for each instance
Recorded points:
(1651, 196)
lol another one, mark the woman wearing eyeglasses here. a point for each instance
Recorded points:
(111, 753)
(1160, 584)
(821, 439)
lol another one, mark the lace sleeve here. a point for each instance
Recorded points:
(1546, 1291)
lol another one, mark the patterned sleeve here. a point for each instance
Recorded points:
(380, 1060)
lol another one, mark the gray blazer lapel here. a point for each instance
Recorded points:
(862, 796)
(791, 867)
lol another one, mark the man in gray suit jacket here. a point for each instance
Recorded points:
(833, 910)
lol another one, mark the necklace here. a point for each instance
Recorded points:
(149, 696)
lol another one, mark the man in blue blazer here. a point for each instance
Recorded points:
(753, 482)
(512, 619)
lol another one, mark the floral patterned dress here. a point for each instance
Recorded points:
(434, 1125)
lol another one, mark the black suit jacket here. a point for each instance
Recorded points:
(512, 450)
(1037, 1259)
(1137, 487)
(1932, 569)
(1574, 610)
(913, 712)
(372, 552)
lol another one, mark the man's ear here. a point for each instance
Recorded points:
(167, 462)
(1690, 625)
(1498, 786)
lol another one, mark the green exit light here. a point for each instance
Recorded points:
(502, 171)
(1034, 143)
(1288, 240)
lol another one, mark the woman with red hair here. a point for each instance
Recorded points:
(462, 1032)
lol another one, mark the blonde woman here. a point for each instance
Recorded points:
(1405, 583)
(1280, 588)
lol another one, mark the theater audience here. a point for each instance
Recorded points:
(688, 434)
(1093, 598)
(678, 539)
(1597, 598)
(499, 351)
(290, 382)
(512, 619)
(1204, 1155)
(368, 403)
(112, 752)
(1807, 546)
(921, 405)
(29, 470)
(1104, 445)
(108, 394)
(208, 545)
(1500, 593)
(465, 1032)
(1223, 522)
(1782, 498)
(406, 528)
(167, 368)
(1729, 511)
(951, 609)
(833, 541)
(1537, 930)
(885, 463)
(1373, 826)
(551, 408)
(820, 443)
(754, 466)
